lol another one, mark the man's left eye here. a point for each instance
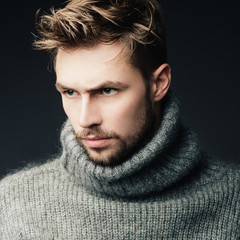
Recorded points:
(109, 91)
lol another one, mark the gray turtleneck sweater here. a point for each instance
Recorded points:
(169, 189)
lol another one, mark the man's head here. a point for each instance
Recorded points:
(137, 24)
(111, 72)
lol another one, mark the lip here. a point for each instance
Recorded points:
(96, 142)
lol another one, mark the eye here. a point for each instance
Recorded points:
(70, 93)
(109, 91)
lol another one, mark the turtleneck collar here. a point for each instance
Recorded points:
(163, 161)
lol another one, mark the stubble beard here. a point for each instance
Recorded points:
(123, 148)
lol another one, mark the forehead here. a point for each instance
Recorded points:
(95, 63)
(100, 53)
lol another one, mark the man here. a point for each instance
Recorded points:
(128, 168)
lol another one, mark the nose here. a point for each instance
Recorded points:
(89, 113)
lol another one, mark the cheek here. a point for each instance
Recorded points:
(71, 113)
(126, 115)
(66, 108)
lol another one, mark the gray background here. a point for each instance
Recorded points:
(203, 49)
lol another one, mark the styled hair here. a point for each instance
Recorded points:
(138, 24)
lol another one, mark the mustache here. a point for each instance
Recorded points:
(96, 131)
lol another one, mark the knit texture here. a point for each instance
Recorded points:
(169, 189)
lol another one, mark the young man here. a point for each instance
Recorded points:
(128, 168)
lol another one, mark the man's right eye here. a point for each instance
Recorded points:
(69, 93)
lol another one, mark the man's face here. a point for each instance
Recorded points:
(106, 101)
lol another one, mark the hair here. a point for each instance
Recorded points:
(138, 24)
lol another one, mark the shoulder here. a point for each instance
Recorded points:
(24, 194)
(28, 178)
(222, 168)
(225, 176)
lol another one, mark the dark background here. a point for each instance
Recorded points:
(203, 47)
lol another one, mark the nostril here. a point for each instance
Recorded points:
(94, 126)
(89, 121)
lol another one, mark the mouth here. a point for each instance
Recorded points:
(96, 142)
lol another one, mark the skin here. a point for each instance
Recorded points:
(105, 99)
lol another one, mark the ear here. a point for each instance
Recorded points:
(161, 79)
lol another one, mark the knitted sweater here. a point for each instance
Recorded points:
(169, 189)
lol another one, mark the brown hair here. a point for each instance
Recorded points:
(138, 24)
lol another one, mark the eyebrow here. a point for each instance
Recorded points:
(106, 84)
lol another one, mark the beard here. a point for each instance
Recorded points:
(123, 148)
